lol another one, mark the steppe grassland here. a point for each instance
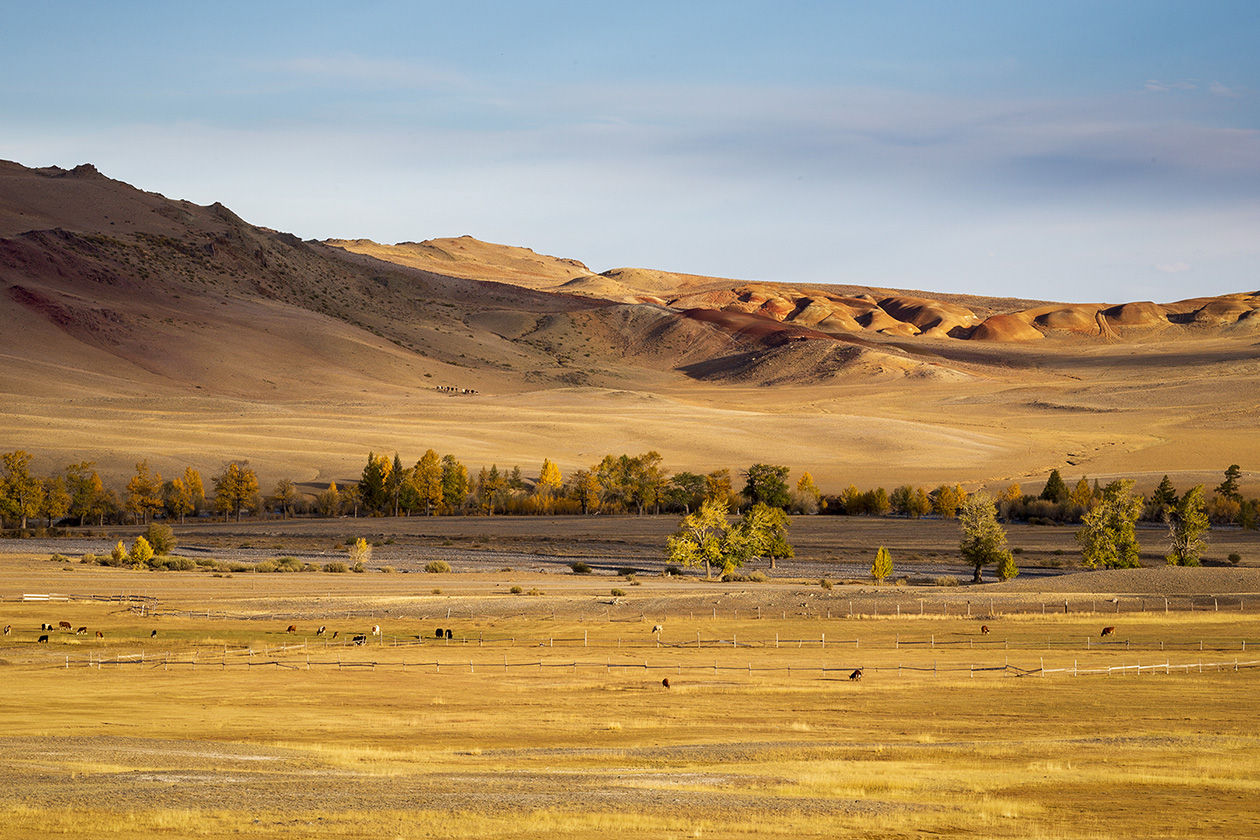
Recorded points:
(898, 754)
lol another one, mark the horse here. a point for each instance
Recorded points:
(856, 675)
(1107, 631)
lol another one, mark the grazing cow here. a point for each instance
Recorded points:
(44, 639)
(1107, 631)
(63, 625)
(82, 631)
(360, 639)
(449, 634)
(292, 628)
(99, 634)
(153, 635)
(8, 628)
(376, 629)
(657, 629)
(665, 682)
(440, 634)
(336, 633)
(984, 629)
(320, 631)
(856, 675)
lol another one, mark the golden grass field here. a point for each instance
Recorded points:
(546, 715)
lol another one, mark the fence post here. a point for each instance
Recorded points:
(824, 641)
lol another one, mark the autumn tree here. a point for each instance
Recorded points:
(584, 489)
(882, 567)
(761, 532)
(285, 497)
(549, 482)
(141, 552)
(717, 485)
(56, 501)
(235, 488)
(1108, 533)
(21, 493)
(946, 500)
(1187, 523)
(809, 497)
(983, 539)
(1082, 494)
(426, 478)
(87, 491)
(328, 503)
(701, 538)
(144, 493)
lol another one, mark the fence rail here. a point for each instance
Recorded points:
(247, 658)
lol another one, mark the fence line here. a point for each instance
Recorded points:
(247, 658)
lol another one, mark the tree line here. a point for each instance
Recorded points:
(442, 485)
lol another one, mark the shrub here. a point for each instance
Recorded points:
(825, 584)
(673, 571)
(59, 558)
(627, 572)
(161, 538)
(437, 567)
(580, 568)
(619, 593)
(88, 558)
(266, 566)
(175, 564)
(1017, 551)
(437, 591)
(945, 580)
(758, 576)
(336, 567)
(358, 568)
(288, 564)
(118, 554)
(360, 552)
(1234, 558)
(536, 592)
(516, 590)
(141, 552)
(389, 570)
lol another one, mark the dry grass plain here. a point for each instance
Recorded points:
(546, 716)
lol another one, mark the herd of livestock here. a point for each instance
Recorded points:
(47, 630)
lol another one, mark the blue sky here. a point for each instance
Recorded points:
(1082, 151)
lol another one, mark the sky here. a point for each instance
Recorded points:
(1098, 151)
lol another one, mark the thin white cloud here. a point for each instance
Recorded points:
(1172, 268)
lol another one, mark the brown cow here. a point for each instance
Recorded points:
(1107, 631)
(336, 633)
(292, 628)
(99, 634)
(320, 631)
(856, 675)
(63, 625)
(984, 629)
(665, 682)
(82, 631)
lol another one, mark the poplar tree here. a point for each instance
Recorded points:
(882, 567)
(21, 493)
(983, 539)
(1108, 534)
(1187, 523)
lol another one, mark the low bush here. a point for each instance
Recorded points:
(59, 558)
(826, 584)
(580, 568)
(619, 593)
(627, 572)
(516, 590)
(389, 570)
(945, 580)
(336, 567)
(1234, 558)
(437, 567)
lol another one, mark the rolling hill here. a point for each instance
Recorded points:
(139, 326)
